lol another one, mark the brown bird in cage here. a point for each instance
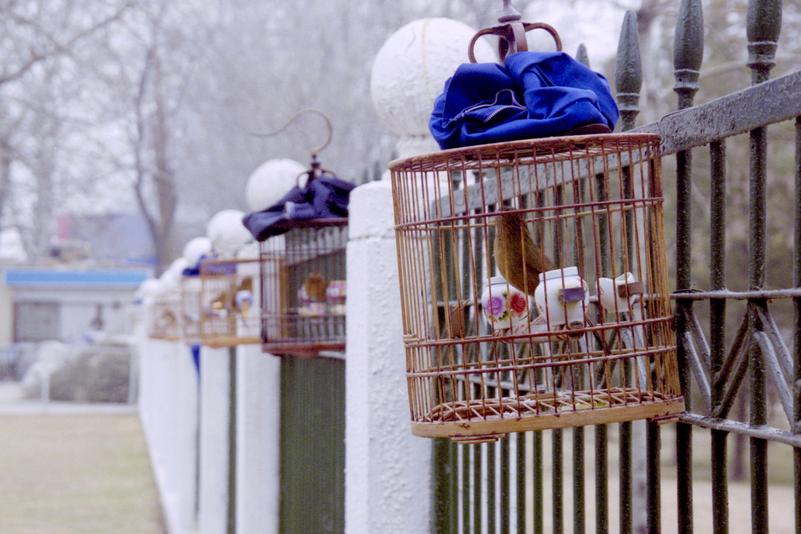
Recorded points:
(315, 287)
(519, 260)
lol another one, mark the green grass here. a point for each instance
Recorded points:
(76, 474)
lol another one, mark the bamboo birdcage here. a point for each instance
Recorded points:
(303, 288)
(534, 289)
(191, 305)
(225, 302)
(164, 317)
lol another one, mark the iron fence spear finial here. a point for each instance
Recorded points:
(628, 71)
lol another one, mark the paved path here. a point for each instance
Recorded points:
(75, 473)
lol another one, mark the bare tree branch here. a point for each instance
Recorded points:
(55, 47)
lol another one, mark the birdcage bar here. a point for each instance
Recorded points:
(165, 317)
(591, 201)
(191, 308)
(303, 288)
(226, 302)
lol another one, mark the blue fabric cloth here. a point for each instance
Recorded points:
(532, 95)
(323, 197)
(196, 357)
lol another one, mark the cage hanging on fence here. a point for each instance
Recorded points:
(303, 290)
(225, 303)
(303, 239)
(534, 289)
(164, 317)
(191, 305)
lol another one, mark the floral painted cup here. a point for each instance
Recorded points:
(503, 304)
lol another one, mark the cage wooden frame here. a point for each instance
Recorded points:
(596, 344)
(291, 324)
(225, 299)
(164, 317)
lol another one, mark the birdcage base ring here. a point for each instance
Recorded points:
(220, 342)
(465, 430)
(302, 350)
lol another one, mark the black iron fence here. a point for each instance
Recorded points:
(749, 363)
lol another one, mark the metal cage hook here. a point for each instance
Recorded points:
(312, 150)
(511, 33)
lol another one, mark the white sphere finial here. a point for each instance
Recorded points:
(410, 71)
(271, 181)
(195, 249)
(227, 233)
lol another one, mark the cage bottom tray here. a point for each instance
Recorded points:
(301, 349)
(487, 419)
(221, 341)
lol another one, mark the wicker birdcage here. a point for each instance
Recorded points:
(164, 317)
(191, 305)
(534, 289)
(225, 302)
(303, 288)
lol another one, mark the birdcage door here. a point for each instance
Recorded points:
(312, 445)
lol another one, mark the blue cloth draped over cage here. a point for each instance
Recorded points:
(532, 95)
(323, 197)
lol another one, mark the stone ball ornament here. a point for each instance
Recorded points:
(169, 279)
(271, 181)
(411, 68)
(227, 233)
(195, 249)
(148, 291)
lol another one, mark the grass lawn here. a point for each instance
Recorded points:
(76, 474)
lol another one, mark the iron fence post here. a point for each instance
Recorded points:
(764, 26)
(688, 51)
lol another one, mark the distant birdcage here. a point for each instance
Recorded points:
(303, 288)
(534, 288)
(225, 303)
(164, 317)
(191, 308)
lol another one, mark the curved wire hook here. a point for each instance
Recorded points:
(313, 150)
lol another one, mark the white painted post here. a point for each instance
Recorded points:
(258, 439)
(214, 438)
(388, 471)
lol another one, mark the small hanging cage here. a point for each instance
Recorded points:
(191, 305)
(303, 288)
(164, 317)
(534, 289)
(225, 303)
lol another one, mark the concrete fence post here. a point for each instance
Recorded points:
(388, 471)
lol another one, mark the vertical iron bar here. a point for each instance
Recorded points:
(764, 26)
(453, 457)
(653, 444)
(491, 487)
(601, 481)
(797, 325)
(231, 520)
(556, 481)
(504, 480)
(442, 476)
(537, 494)
(466, 452)
(478, 501)
(717, 330)
(688, 51)
(579, 514)
(628, 82)
(521, 482)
